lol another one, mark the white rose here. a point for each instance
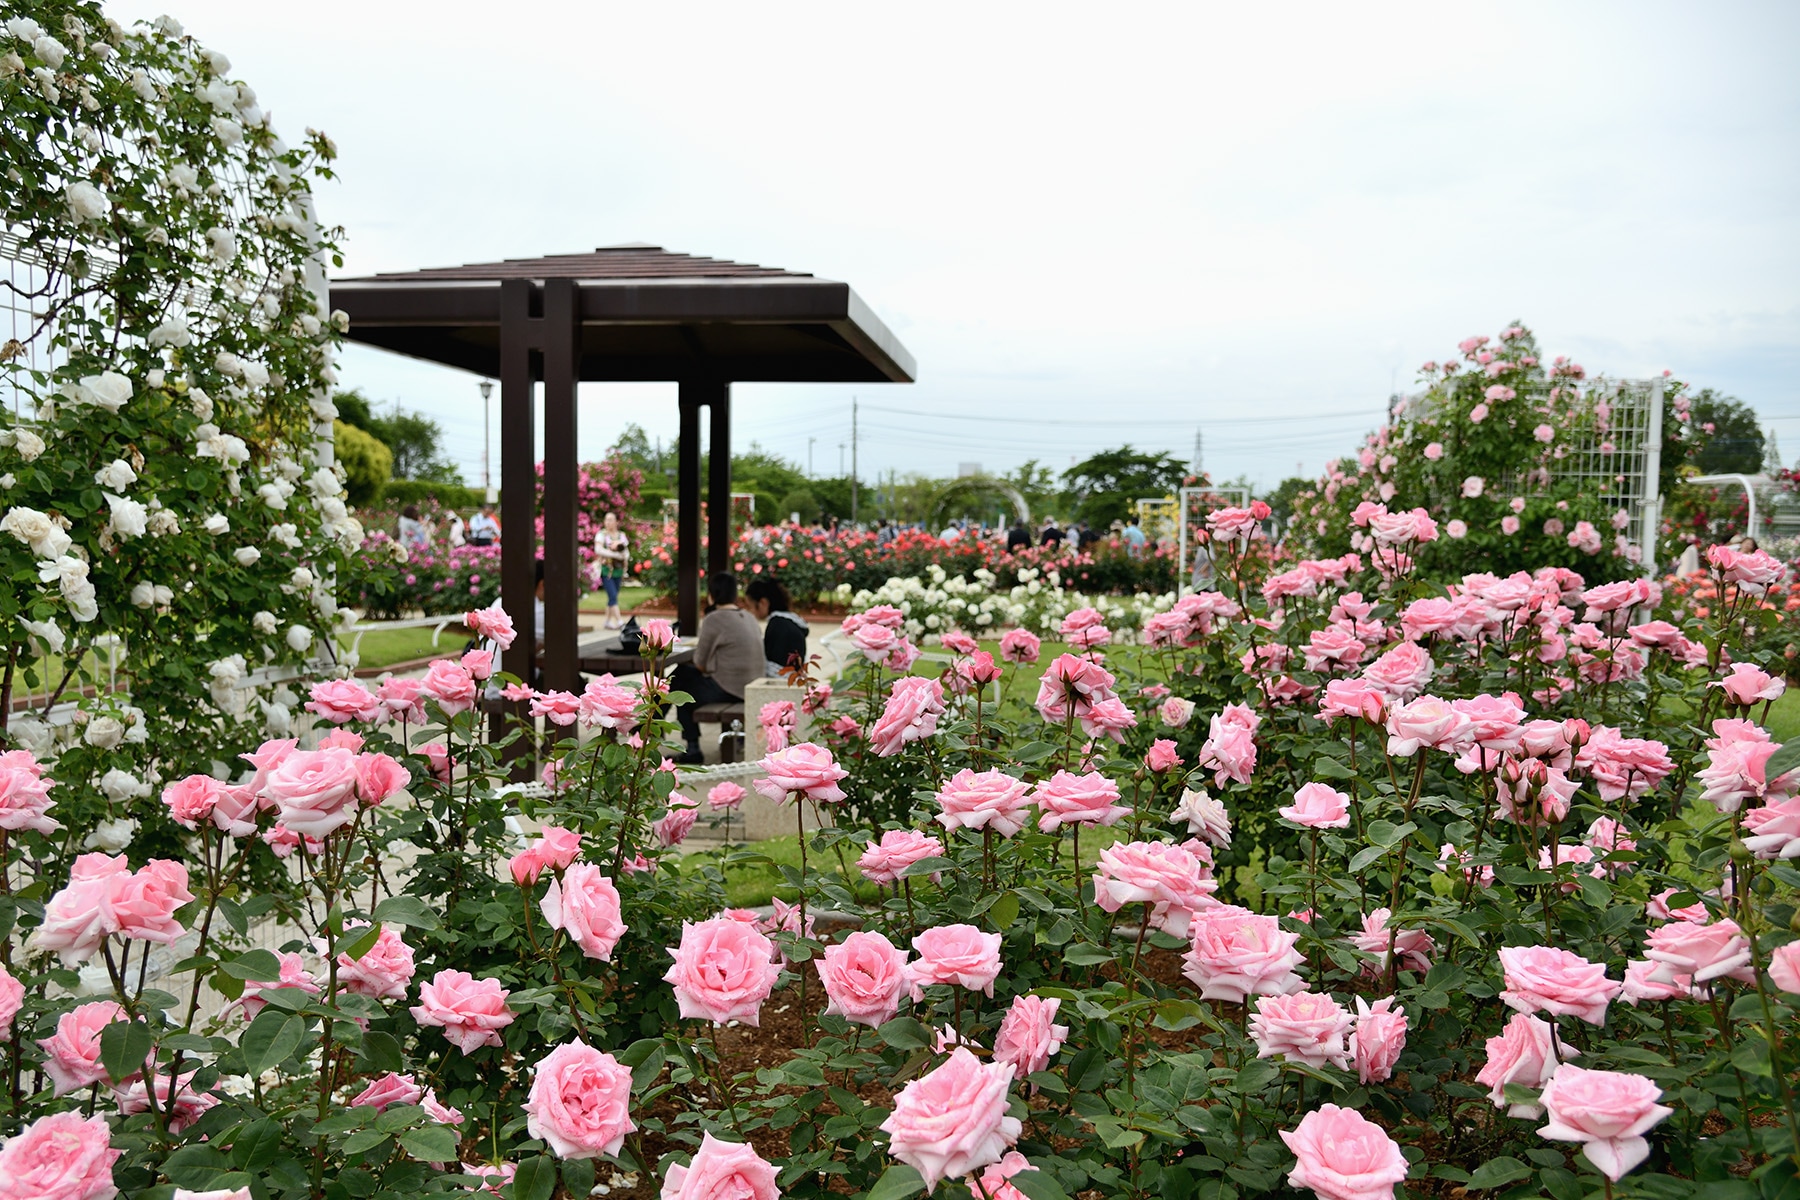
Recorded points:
(48, 633)
(36, 530)
(143, 595)
(300, 638)
(302, 579)
(50, 50)
(256, 375)
(263, 622)
(129, 518)
(111, 837)
(25, 29)
(86, 202)
(172, 332)
(324, 483)
(274, 494)
(223, 244)
(216, 524)
(280, 719)
(163, 522)
(247, 555)
(286, 534)
(104, 732)
(29, 733)
(121, 786)
(29, 445)
(116, 475)
(109, 390)
(201, 403)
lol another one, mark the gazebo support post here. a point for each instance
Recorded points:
(718, 487)
(687, 513)
(562, 567)
(518, 478)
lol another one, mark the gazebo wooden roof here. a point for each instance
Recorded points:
(631, 312)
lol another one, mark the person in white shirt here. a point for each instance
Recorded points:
(484, 530)
(456, 529)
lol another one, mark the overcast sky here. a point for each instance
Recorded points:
(1090, 224)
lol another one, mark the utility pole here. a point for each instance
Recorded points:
(840, 460)
(1199, 458)
(809, 446)
(853, 460)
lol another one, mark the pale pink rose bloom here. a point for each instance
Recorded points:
(969, 676)
(1784, 968)
(1176, 712)
(725, 795)
(401, 699)
(673, 826)
(953, 1121)
(584, 904)
(25, 794)
(388, 1090)
(958, 642)
(1657, 908)
(805, 769)
(607, 704)
(1307, 1027)
(1318, 806)
(1342, 1155)
(1473, 486)
(1642, 983)
(913, 706)
(1559, 982)
(1705, 952)
(242, 1193)
(863, 976)
(777, 718)
(451, 685)
(492, 624)
(1747, 685)
(1162, 756)
(1402, 672)
(1205, 816)
(1456, 528)
(1168, 878)
(1358, 699)
(12, 998)
(343, 700)
(73, 1052)
(984, 800)
(479, 664)
(580, 1102)
(1028, 1035)
(1607, 1111)
(500, 1174)
(1378, 1039)
(1525, 1054)
(961, 955)
(657, 635)
(470, 1011)
(342, 739)
(1020, 646)
(1509, 525)
(1229, 750)
(723, 971)
(1426, 723)
(559, 708)
(384, 972)
(1434, 451)
(1494, 721)
(994, 1183)
(896, 850)
(314, 791)
(176, 1099)
(1478, 414)
(553, 850)
(191, 800)
(379, 776)
(293, 974)
(721, 1171)
(235, 810)
(1544, 433)
(1235, 953)
(63, 1156)
(143, 903)
(1414, 946)
(1773, 831)
(1069, 799)
(875, 641)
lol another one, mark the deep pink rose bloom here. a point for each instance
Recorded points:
(25, 794)
(73, 1052)
(470, 1011)
(144, 902)
(191, 800)
(293, 975)
(343, 700)
(585, 904)
(12, 998)
(580, 1102)
(379, 776)
(1560, 982)
(1029, 1035)
(897, 850)
(806, 769)
(863, 976)
(1378, 1039)
(1161, 756)
(1525, 1054)
(389, 1090)
(1235, 953)
(1307, 1027)
(1318, 806)
(1020, 646)
(315, 791)
(984, 800)
(725, 795)
(1069, 799)
(384, 972)
(955, 954)
(723, 971)
(63, 1156)
(913, 707)
(968, 676)
(721, 1171)
(1169, 878)
(952, 1121)
(1607, 1111)
(1342, 1155)
(451, 685)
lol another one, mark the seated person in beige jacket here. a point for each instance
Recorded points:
(728, 656)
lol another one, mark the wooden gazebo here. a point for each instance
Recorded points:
(620, 313)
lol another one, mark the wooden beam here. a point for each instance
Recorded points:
(562, 568)
(687, 515)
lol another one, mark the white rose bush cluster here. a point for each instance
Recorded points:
(939, 602)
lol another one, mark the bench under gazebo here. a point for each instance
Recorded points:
(628, 313)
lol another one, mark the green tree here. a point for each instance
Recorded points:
(415, 441)
(633, 445)
(1281, 500)
(1724, 435)
(1037, 483)
(801, 503)
(368, 463)
(1105, 487)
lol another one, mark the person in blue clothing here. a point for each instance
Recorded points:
(1134, 538)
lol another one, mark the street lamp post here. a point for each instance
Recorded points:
(487, 471)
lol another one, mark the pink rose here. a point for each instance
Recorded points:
(1168, 878)
(1318, 806)
(80, 916)
(293, 974)
(721, 1171)
(913, 707)
(143, 903)
(559, 708)
(875, 641)
(1704, 952)
(884, 860)
(983, 800)
(1509, 525)
(1560, 982)
(955, 954)
(451, 685)
(673, 826)
(1028, 1035)
(492, 624)
(580, 1102)
(994, 1183)
(343, 700)
(191, 800)
(1784, 968)
(387, 1091)
(501, 1173)
(175, 1098)
(1747, 685)
(265, 758)
(657, 635)
(1358, 699)
(1641, 984)
(1161, 756)
(12, 998)
(314, 791)
(1607, 1111)
(379, 776)
(1402, 672)
(63, 1156)
(863, 977)
(1067, 799)
(470, 1011)
(1525, 1054)
(234, 811)
(953, 1120)
(1427, 722)
(242, 1193)
(1176, 712)
(1230, 747)
(1020, 646)
(806, 769)
(73, 1051)
(1544, 433)
(1341, 1155)
(725, 795)
(479, 664)
(723, 971)
(1378, 1039)
(1235, 953)
(958, 642)
(1306, 1027)
(606, 704)
(585, 905)
(383, 972)
(25, 794)
(1414, 946)
(1434, 451)
(402, 699)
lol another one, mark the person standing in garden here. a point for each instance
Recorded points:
(413, 534)
(1135, 539)
(484, 529)
(454, 533)
(613, 549)
(727, 657)
(1019, 536)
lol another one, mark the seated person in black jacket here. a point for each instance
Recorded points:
(784, 637)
